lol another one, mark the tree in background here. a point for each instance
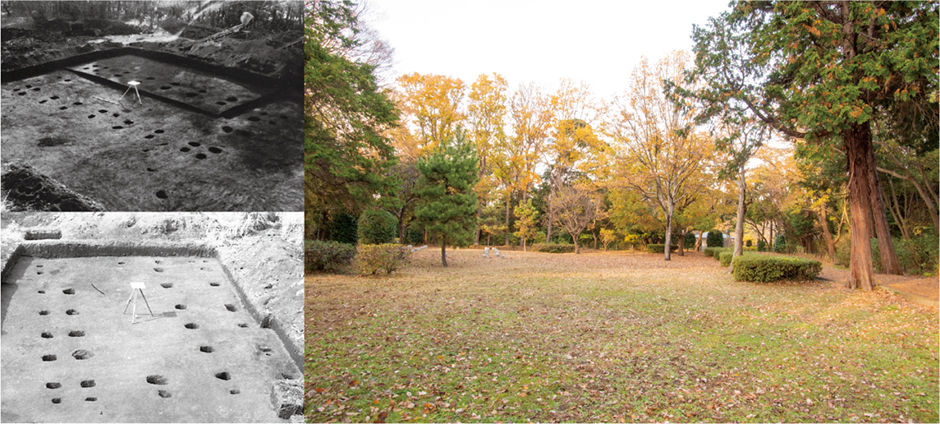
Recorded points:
(659, 158)
(486, 115)
(575, 207)
(526, 222)
(448, 202)
(432, 105)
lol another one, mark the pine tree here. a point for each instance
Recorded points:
(448, 202)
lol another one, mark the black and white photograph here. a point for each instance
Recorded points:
(152, 105)
(152, 317)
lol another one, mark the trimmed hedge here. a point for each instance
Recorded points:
(329, 256)
(714, 251)
(389, 257)
(553, 247)
(725, 256)
(660, 248)
(766, 268)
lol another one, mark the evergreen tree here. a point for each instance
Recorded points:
(448, 202)
(822, 71)
(346, 154)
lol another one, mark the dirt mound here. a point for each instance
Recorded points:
(26, 189)
(274, 55)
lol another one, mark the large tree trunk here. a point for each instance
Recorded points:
(889, 259)
(827, 236)
(444, 250)
(857, 146)
(739, 225)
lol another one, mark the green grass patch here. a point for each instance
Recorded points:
(605, 337)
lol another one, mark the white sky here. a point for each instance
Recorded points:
(598, 42)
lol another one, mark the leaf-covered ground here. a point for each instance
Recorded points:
(610, 337)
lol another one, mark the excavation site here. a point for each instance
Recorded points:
(166, 328)
(206, 118)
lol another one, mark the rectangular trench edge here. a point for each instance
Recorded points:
(51, 249)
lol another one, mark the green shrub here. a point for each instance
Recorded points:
(919, 255)
(761, 246)
(371, 258)
(414, 234)
(688, 240)
(660, 248)
(714, 251)
(780, 244)
(329, 256)
(715, 239)
(344, 228)
(553, 247)
(377, 227)
(767, 268)
(748, 242)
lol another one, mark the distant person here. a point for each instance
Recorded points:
(246, 18)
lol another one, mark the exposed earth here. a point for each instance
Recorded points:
(207, 354)
(190, 138)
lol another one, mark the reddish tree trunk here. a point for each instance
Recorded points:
(857, 147)
(827, 236)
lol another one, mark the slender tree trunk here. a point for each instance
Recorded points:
(508, 199)
(889, 259)
(681, 250)
(770, 243)
(669, 211)
(574, 237)
(827, 236)
(476, 228)
(739, 225)
(895, 208)
(857, 145)
(444, 249)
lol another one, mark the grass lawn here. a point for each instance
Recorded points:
(610, 337)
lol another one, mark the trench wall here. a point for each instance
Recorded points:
(236, 74)
(276, 85)
(83, 249)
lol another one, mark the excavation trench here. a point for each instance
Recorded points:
(202, 356)
(164, 131)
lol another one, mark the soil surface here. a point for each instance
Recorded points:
(74, 350)
(263, 254)
(143, 154)
(924, 287)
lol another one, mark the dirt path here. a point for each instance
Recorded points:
(927, 288)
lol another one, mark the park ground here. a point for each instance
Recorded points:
(613, 337)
